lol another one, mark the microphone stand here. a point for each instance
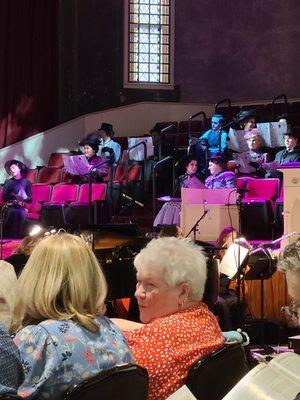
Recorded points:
(91, 214)
(194, 228)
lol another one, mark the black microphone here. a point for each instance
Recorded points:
(132, 200)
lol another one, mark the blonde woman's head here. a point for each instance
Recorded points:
(61, 280)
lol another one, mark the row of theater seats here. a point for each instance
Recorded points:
(131, 381)
(261, 208)
(54, 172)
(62, 204)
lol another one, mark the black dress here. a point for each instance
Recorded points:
(15, 209)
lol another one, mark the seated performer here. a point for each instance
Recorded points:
(212, 141)
(289, 263)
(169, 214)
(177, 328)
(98, 165)
(250, 161)
(227, 307)
(104, 136)
(291, 153)
(244, 120)
(16, 193)
(220, 178)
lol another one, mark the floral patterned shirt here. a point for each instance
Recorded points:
(56, 355)
(168, 346)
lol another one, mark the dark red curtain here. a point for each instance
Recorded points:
(28, 68)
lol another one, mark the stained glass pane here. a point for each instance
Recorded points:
(149, 39)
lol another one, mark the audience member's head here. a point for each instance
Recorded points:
(27, 244)
(292, 137)
(217, 122)
(254, 139)
(61, 280)
(289, 262)
(170, 231)
(171, 276)
(216, 164)
(90, 146)
(227, 236)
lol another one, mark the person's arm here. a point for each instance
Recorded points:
(117, 151)
(230, 180)
(28, 192)
(223, 141)
(100, 170)
(6, 193)
(39, 358)
(126, 325)
(11, 370)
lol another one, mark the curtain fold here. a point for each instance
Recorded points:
(28, 68)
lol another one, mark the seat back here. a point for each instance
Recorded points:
(135, 173)
(32, 175)
(127, 382)
(56, 160)
(49, 175)
(40, 192)
(215, 374)
(64, 192)
(98, 192)
(263, 188)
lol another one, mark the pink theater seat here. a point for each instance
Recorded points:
(257, 215)
(49, 175)
(98, 193)
(262, 189)
(63, 193)
(54, 212)
(40, 194)
(79, 211)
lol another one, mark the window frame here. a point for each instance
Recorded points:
(148, 85)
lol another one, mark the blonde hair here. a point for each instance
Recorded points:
(62, 280)
(179, 259)
(27, 244)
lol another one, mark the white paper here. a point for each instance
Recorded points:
(277, 380)
(237, 141)
(137, 153)
(76, 165)
(182, 393)
(243, 160)
(233, 258)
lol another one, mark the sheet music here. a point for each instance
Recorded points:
(234, 257)
(243, 160)
(271, 132)
(237, 141)
(137, 153)
(76, 165)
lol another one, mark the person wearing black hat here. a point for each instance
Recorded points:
(220, 178)
(98, 165)
(291, 153)
(16, 193)
(106, 133)
(245, 120)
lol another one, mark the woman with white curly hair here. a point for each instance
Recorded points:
(177, 328)
(289, 263)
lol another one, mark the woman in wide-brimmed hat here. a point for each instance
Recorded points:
(98, 165)
(16, 193)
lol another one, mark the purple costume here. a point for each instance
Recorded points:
(222, 180)
(15, 214)
(169, 214)
(100, 169)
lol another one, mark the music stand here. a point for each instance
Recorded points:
(262, 266)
